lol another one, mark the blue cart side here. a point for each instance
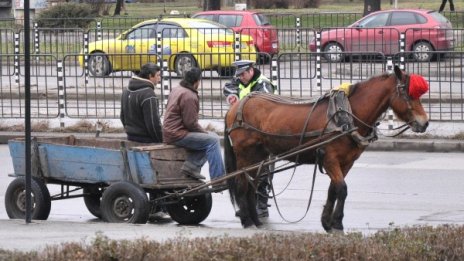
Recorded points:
(67, 160)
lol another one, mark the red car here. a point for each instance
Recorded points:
(250, 23)
(425, 31)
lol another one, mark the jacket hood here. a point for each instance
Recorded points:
(137, 83)
(188, 85)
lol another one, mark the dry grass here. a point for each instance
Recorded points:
(414, 243)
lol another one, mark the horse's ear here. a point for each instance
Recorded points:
(398, 72)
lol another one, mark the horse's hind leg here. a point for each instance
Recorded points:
(251, 198)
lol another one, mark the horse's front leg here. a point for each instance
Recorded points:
(332, 214)
(326, 218)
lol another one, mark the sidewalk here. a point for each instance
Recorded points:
(441, 144)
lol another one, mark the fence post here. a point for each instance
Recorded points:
(402, 50)
(86, 57)
(274, 74)
(16, 57)
(99, 32)
(237, 46)
(389, 69)
(36, 39)
(165, 91)
(318, 61)
(61, 107)
(298, 34)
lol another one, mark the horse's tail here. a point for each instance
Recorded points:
(230, 162)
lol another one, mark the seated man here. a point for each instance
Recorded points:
(181, 128)
(139, 114)
(139, 106)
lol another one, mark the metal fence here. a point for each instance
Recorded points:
(296, 74)
(62, 87)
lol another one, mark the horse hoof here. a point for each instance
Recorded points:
(247, 223)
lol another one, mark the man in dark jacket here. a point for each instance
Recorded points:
(140, 117)
(250, 79)
(139, 106)
(181, 128)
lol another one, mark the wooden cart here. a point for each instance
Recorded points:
(120, 181)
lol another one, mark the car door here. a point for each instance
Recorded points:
(141, 42)
(174, 40)
(411, 24)
(369, 34)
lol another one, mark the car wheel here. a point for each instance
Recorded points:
(422, 52)
(99, 65)
(333, 52)
(183, 63)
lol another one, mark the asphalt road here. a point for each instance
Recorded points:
(385, 190)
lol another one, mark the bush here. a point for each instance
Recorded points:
(67, 15)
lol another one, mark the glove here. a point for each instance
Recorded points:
(231, 99)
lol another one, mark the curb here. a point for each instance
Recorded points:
(383, 144)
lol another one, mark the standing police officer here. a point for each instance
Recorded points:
(250, 79)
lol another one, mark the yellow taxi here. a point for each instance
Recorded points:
(185, 43)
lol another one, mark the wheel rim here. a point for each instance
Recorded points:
(21, 200)
(123, 207)
(184, 64)
(97, 64)
(190, 205)
(421, 52)
(334, 52)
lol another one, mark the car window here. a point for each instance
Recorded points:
(261, 19)
(143, 32)
(204, 16)
(403, 18)
(439, 17)
(378, 20)
(230, 20)
(170, 30)
(205, 27)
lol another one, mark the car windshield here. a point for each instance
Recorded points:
(210, 28)
(261, 19)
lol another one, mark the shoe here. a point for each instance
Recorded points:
(159, 216)
(262, 212)
(192, 175)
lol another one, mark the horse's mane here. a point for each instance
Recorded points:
(357, 85)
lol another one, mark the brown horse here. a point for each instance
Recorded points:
(262, 125)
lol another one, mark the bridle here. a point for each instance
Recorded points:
(402, 91)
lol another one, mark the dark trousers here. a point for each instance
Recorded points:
(443, 3)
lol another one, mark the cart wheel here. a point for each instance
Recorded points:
(125, 202)
(191, 210)
(92, 198)
(15, 199)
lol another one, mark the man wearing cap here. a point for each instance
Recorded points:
(247, 79)
(181, 128)
(250, 79)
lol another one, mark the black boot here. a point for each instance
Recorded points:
(262, 196)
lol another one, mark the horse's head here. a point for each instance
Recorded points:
(406, 103)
